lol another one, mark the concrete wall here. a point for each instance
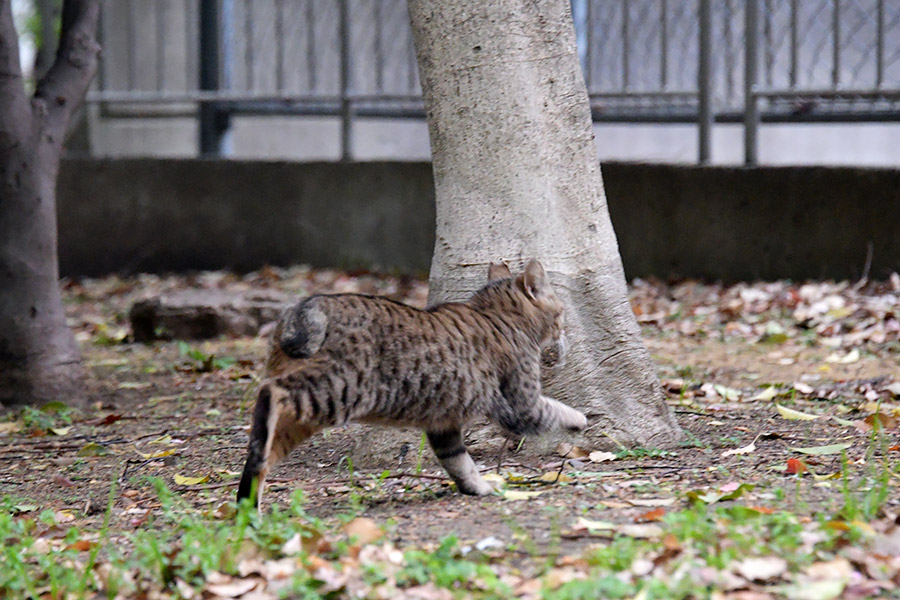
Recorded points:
(161, 215)
(671, 221)
(760, 223)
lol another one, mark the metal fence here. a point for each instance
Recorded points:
(699, 61)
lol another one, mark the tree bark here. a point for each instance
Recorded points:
(517, 177)
(39, 358)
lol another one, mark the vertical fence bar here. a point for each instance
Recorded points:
(226, 35)
(664, 45)
(704, 75)
(768, 42)
(160, 7)
(132, 44)
(836, 44)
(379, 49)
(311, 81)
(249, 83)
(879, 47)
(728, 37)
(751, 58)
(792, 75)
(589, 51)
(210, 121)
(625, 44)
(279, 45)
(191, 50)
(346, 103)
(412, 64)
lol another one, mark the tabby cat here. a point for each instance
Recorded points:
(350, 357)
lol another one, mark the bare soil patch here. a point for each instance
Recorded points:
(728, 356)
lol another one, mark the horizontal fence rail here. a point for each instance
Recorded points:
(654, 61)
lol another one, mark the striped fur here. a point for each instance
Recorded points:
(350, 357)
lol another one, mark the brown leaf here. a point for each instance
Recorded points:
(763, 509)
(882, 420)
(567, 450)
(651, 515)
(110, 419)
(796, 466)
(81, 546)
(60, 480)
(364, 530)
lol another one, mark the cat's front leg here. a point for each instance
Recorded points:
(450, 450)
(561, 416)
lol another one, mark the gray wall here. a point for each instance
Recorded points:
(671, 221)
(173, 215)
(737, 223)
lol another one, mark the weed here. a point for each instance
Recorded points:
(202, 362)
(692, 441)
(52, 415)
(447, 569)
(644, 453)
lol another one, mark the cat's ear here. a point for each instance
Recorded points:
(498, 271)
(534, 280)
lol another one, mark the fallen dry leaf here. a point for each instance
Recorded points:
(364, 530)
(876, 420)
(762, 568)
(751, 447)
(520, 495)
(81, 545)
(822, 450)
(599, 456)
(794, 415)
(651, 515)
(182, 480)
(652, 502)
(767, 394)
(232, 589)
(8, 427)
(795, 466)
(567, 450)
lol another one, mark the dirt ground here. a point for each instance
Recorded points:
(727, 357)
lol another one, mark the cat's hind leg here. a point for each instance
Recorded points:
(276, 430)
(451, 452)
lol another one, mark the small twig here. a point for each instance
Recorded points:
(501, 453)
(393, 476)
(562, 466)
(692, 412)
(141, 464)
(513, 465)
(868, 265)
(208, 486)
(615, 441)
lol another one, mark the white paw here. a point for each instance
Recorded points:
(576, 421)
(475, 486)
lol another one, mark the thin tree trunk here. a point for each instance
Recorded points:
(39, 358)
(517, 176)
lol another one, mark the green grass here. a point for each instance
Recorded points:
(182, 546)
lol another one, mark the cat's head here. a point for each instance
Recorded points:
(550, 310)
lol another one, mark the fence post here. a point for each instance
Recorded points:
(704, 84)
(213, 122)
(751, 59)
(346, 74)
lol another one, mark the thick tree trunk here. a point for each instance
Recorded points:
(39, 358)
(517, 176)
